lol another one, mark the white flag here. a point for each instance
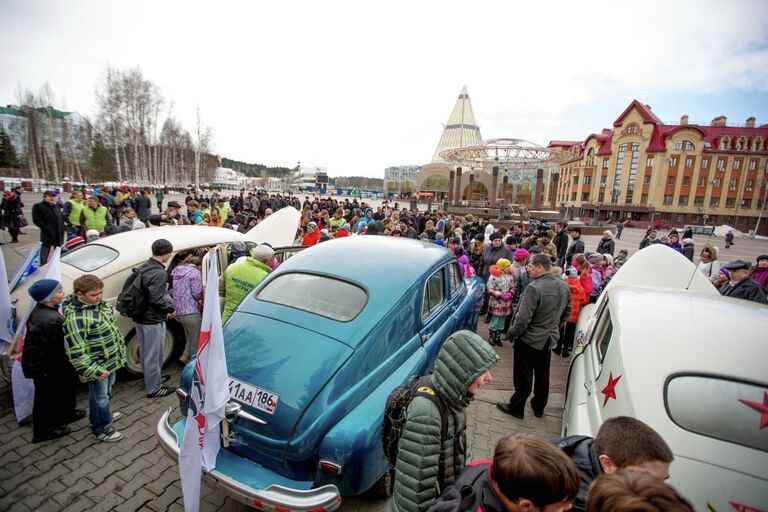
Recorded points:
(6, 310)
(23, 388)
(207, 397)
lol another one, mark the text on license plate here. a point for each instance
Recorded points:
(253, 396)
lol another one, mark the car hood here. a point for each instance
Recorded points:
(279, 229)
(290, 361)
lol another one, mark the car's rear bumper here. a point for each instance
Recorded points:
(273, 497)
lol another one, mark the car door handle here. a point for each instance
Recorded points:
(588, 388)
(425, 337)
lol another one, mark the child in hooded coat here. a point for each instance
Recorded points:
(501, 291)
(578, 299)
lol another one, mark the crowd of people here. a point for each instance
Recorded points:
(536, 278)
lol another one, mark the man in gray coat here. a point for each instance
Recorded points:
(543, 310)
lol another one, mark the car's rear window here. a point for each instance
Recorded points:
(719, 407)
(90, 257)
(321, 295)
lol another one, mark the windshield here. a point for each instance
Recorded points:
(321, 295)
(90, 257)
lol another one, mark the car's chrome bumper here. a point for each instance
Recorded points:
(272, 498)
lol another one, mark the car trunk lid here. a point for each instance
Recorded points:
(276, 370)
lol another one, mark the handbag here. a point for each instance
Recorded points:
(21, 221)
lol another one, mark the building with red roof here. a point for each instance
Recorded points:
(643, 169)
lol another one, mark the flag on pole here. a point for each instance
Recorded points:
(23, 388)
(7, 318)
(207, 397)
(27, 268)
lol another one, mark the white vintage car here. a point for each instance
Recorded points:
(661, 345)
(112, 258)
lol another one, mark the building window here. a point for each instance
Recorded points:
(575, 180)
(746, 203)
(702, 181)
(720, 165)
(730, 202)
(752, 165)
(668, 199)
(671, 180)
(644, 199)
(749, 185)
(686, 181)
(587, 180)
(714, 202)
(689, 162)
(666, 216)
(605, 163)
(632, 129)
(680, 217)
(736, 165)
(732, 184)
(601, 197)
(682, 200)
(684, 145)
(647, 179)
(704, 163)
(649, 161)
(618, 174)
(673, 161)
(602, 180)
(716, 182)
(573, 196)
(698, 201)
(585, 196)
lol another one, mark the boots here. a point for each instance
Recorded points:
(495, 338)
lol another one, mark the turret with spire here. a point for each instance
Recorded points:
(461, 129)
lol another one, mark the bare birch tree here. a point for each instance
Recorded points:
(203, 138)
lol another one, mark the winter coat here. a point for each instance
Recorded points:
(745, 289)
(311, 238)
(472, 491)
(187, 289)
(676, 246)
(547, 248)
(490, 256)
(561, 243)
(586, 281)
(239, 280)
(542, 312)
(710, 269)
(578, 298)
(688, 250)
(577, 247)
(48, 218)
(581, 452)
(500, 283)
(44, 352)
(143, 207)
(606, 246)
(760, 276)
(462, 359)
(12, 211)
(93, 342)
(523, 280)
(154, 284)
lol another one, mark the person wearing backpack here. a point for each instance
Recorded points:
(151, 319)
(432, 448)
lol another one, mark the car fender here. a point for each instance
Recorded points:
(355, 442)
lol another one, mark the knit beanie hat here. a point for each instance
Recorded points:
(521, 255)
(262, 253)
(595, 257)
(44, 289)
(571, 272)
(503, 263)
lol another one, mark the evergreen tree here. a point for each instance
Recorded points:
(102, 161)
(8, 156)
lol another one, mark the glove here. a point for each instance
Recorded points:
(506, 296)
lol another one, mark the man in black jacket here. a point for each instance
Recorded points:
(741, 286)
(143, 205)
(150, 324)
(622, 442)
(577, 246)
(47, 216)
(45, 361)
(561, 241)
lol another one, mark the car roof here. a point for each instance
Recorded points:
(384, 266)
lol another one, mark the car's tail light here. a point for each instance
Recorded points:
(330, 467)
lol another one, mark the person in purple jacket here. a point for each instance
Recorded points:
(187, 297)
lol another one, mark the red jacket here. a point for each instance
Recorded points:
(578, 298)
(586, 282)
(311, 238)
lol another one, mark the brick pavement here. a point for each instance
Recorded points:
(77, 473)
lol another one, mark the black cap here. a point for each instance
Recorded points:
(174, 204)
(737, 265)
(762, 257)
(495, 236)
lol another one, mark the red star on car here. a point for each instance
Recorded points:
(762, 408)
(610, 389)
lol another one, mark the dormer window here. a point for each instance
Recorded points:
(684, 145)
(757, 144)
(741, 143)
(633, 129)
(725, 143)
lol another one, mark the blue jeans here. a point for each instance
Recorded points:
(99, 395)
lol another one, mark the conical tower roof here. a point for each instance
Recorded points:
(461, 129)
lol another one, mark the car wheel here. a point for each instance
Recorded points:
(132, 367)
(384, 485)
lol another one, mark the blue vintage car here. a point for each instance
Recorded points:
(313, 353)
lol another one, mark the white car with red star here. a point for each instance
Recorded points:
(661, 345)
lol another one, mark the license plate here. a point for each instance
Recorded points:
(251, 395)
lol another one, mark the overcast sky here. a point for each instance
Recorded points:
(360, 86)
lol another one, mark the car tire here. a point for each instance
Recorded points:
(384, 486)
(172, 346)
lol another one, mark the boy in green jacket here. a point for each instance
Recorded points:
(96, 349)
